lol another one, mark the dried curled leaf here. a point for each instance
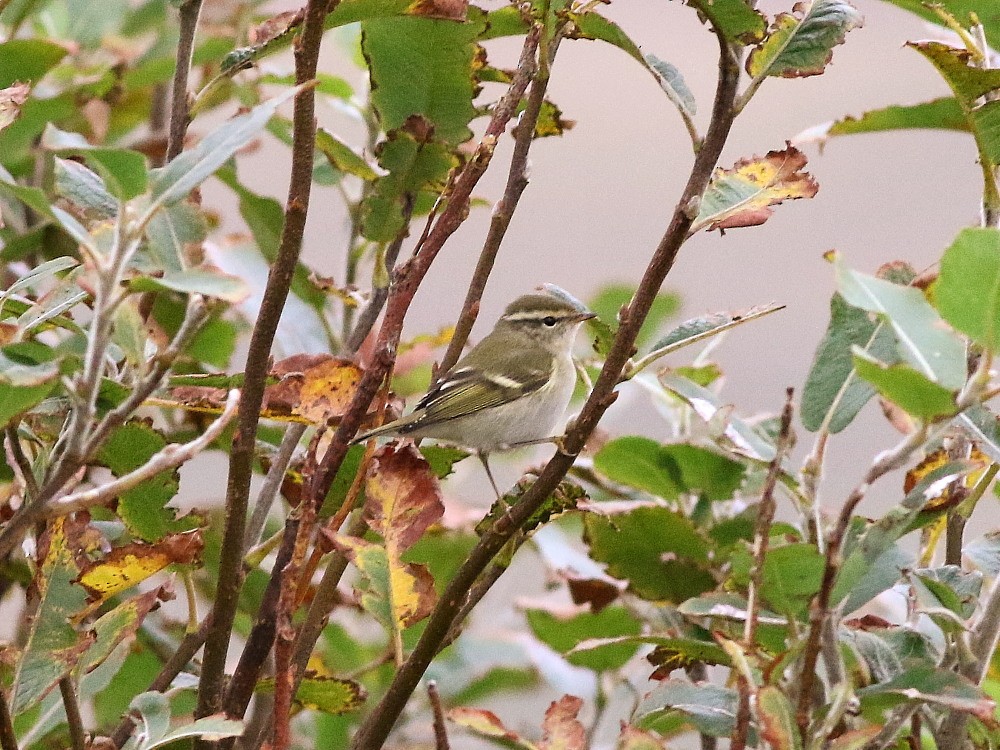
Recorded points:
(743, 196)
(952, 492)
(801, 43)
(11, 99)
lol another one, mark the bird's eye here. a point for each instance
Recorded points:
(549, 321)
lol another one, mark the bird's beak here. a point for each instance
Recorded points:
(580, 317)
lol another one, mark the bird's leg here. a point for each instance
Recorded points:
(484, 457)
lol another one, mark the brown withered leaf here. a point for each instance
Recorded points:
(561, 730)
(448, 10)
(482, 722)
(11, 99)
(743, 196)
(275, 26)
(633, 738)
(132, 563)
(596, 592)
(402, 496)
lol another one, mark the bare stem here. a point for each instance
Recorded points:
(8, 740)
(440, 730)
(230, 577)
(77, 733)
(379, 723)
(189, 12)
(272, 484)
(503, 212)
(17, 459)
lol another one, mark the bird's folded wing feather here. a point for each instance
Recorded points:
(469, 388)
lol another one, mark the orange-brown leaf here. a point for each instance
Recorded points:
(403, 496)
(561, 730)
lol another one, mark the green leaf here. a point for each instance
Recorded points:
(742, 438)
(143, 508)
(124, 171)
(415, 164)
(442, 459)
(23, 384)
(206, 281)
(28, 60)
(698, 329)
(984, 426)
(969, 82)
(174, 181)
(984, 553)
(736, 19)
(943, 114)
(154, 714)
(673, 85)
(679, 651)
(265, 217)
(967, 292)
(330, 695)
(926, 683)
(168, 235)
(423, 66)
(342, 157)
(53, 645)
(610, 300)
(948, 586)
(80, 186)
(801, 43)
(777, 719)
(591, 25)
(562, 634)
(658, 551)
(959, 9)
(669, 470)
(923, 340)
(791, 577)
(711, 709)
(906, 387)
(833, 393)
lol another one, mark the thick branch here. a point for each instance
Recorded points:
(376, 727)
(189, 12)
(279, 280)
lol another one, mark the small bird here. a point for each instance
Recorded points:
(510, 390)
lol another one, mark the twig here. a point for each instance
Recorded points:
(188, 12)
(20, 462)
(230, 576)
(503, 212)
(377, 725)
(175, 665)
(440, 730)
(272, 484)
(884, 463)
(169, 457)
(368, 316)
(762, 534)
(8, 740)
(77, 733)
(895, 722)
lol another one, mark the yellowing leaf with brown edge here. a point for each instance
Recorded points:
(561, 730)
(948, 496)
(327, 390)
(130, 564)
(743, 196)
(487, 724)
(397, 595)
(331, 695)
(11, 99)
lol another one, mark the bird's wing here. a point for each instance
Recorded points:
(471, 387)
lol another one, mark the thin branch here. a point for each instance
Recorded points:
(440, 730)
(171, 456)
(887, 736)
(8, 740)
(503, 212)
(368, 316)
(188, 12)
(272, 484)
(77, 733)
(175, 665)
(19, 462)
(230, 576)
(379, 723)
